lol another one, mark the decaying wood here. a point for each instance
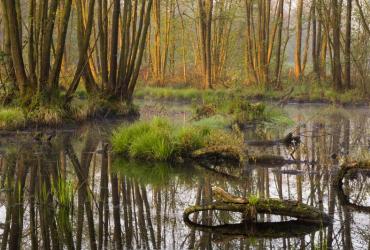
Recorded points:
(228, 153)
(227, 202)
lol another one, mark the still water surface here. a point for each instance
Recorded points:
(71, 193)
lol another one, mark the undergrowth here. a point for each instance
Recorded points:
(11, 118)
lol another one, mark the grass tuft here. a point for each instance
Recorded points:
(11, 118)
(159, 140)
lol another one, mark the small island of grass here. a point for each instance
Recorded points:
(159, 140)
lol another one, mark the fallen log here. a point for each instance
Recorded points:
(227, 202)
(345, 169)
(219, 154)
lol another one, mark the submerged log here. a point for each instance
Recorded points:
(219, 153)
(268, 160)
(228, 202)
(349, 168)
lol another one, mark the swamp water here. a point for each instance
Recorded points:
(73, 194)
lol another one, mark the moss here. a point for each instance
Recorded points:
(11, 118)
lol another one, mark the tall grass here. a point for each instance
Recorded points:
(161, 141)
(11, 118)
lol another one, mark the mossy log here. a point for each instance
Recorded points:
(345, 169)
(219, 153)
(228, 202)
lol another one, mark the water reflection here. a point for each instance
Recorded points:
(73, 193)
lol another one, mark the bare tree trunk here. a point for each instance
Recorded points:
(205, 8)
(298, 46)
(337, 68)
(347, 49)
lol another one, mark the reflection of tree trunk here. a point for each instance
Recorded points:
(103, 199)
(148, 216)
(331, 206)
(80, 217)
(116, 211)
(17, 206)
(33, 226)
(127, 211)
(347, 228)
(195, 217)
(81, 171)
(10, 175)
(158, 204)
(141, 219)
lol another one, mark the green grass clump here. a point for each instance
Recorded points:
(214, 122)
(151, 140)
(47, 115)
(123, 137)
(244, 112)
(11, 118)
(159, 140)
(191, 138)
(237, 110)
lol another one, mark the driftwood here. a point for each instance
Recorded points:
(228, 202)
(349, 168)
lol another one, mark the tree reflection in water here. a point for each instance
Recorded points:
(74, 194)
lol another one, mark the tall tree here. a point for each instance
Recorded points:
(205, 9)
(337, 67)
(347, 50)
(298, 45)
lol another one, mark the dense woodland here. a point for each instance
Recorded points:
(52, 49)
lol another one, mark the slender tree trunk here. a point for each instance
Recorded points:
(347, 50)
(337, 68)
(298, 46)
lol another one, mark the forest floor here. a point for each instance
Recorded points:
(303, 93)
